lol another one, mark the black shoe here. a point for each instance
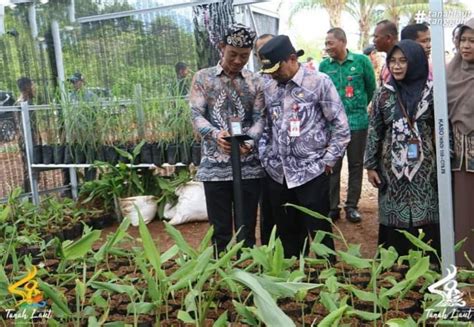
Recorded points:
(353, 215)
(334, 215)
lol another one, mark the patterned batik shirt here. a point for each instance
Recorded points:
(324, 130)
(214, 98)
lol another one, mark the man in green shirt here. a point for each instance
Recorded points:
(354, 78)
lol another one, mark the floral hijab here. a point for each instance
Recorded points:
(414, 93)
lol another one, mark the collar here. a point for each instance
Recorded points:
(219, 70)
(349, 57)
(298, 78)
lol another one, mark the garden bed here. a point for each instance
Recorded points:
(128, 280)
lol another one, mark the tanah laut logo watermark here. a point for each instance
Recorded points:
(32, 305)
(451, 305)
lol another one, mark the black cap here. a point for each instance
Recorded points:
(369, 49)
(275, 51)
(77, 76)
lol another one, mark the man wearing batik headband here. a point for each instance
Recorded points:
(219, 94)
(306, 133)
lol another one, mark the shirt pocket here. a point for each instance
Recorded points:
(357, 83)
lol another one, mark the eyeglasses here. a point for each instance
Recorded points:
(402, 62)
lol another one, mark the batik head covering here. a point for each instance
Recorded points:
(239, 36)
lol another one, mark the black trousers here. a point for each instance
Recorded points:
(266, 218)
(293, 226)
(219, 201)
(355, 160)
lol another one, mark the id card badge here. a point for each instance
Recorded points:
(294, 127)
(349, 91)
(235, 125)
(413, 150)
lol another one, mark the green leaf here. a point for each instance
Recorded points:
(92, 322)
(267, 308)
(54, 295)
(364, 295)
(80, 290)
(322, 250)
(113, 240)
(326, 273)
(140, 307)
(419, 269)
(328, 301)
(112, 287)
(185, 317)
(354, 261)
(395, 289)
(206, 240)
(170, 253)
(278, 258)
(309, 212)
(332, 284)
(115, 324)
(179, 240)
(137, 149)
(354, 249)
(388, 257)
(222, 321)
(369, 316)
(333, 318)
(399, 322)
(124, 153)
(245, 313)
(284, 289)
(459, 244)
(416, 241)
(79, 248)
(150, 248)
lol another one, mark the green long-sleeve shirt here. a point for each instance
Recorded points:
(355, 71)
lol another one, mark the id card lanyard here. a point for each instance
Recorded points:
(235, 122)
(413, 152)
(295, 122)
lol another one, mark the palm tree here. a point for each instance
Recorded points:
(395, 9)
(366, 14)
(333, 7)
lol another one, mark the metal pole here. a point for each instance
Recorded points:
(139, 111)
(2, 19)
(442, 142)
(32, 21)
(71, 11)
(28, 139)
(58, 54)
(237, 184)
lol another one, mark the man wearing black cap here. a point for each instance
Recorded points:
(223, 96)
(306, 133)
(79, 93)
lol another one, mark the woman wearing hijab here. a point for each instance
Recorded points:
(400, 152)
(460, 78)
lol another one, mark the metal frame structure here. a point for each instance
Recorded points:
(445, 194)
(128, 13)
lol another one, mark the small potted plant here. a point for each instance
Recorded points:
(131, 189)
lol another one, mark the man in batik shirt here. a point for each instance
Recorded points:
(218, 94)
(306, 133)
